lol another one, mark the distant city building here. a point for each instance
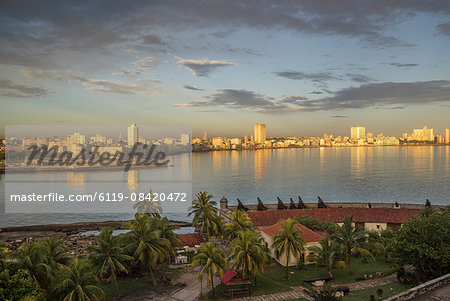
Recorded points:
(260, 133)
(447, 136)
(76, 138)
(424, 134)
(132, 134)
(218, 142)
(185, 139)
(98, 138)
(357, 132)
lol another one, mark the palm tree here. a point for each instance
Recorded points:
(167, 232)
(80, 284)
(109, 257)
(148, 206)
(240, 221)
(351, 240)
(249, 253)
(288, 241)
(325, 255)
(206, 219)
(54, 254)
(31, 258)
(213, 262)
(146, 242)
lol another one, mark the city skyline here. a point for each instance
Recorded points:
(132, 131)
(304, 68)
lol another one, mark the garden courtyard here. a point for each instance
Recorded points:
(273, 282)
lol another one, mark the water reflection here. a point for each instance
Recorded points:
(133, 180)
(76, 179)
(260, 164)
(357, 161)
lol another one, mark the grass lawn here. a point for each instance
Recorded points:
(272, 281)
(264, 286)
(129, 284)
(363, 295)
(341, 276)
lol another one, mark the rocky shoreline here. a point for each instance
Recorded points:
(71, 234)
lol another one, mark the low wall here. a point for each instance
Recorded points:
(274, 206)
(421, 289)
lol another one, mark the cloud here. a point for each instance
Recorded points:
(293, 99)
(146, 63)
(315, 77)
(42, 28)
(203, 67)
(186, 86)
(444, 28)
(382, 95)
(236, 99)
(359, 78)
(112, 86)
(139, 87)
(129, 72)
(140, 66)
(338, 116)
(243, 51)
(10, 89)
(152, 39)
(400, 65)
(322, 77)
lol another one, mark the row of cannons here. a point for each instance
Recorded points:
(301, 205)
(281, 205)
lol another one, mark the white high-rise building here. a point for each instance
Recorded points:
(447, 136)
(76, 138)
(133, 132)
(424, 134)
(260, 133)
(357, 132)
(185, 139)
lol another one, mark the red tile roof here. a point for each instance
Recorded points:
(308, 235)
(190, 239)
(228, 275)
(374, 215)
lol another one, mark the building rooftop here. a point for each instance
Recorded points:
(308, 235)
(191, 239)
(337, 215)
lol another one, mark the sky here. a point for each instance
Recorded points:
(304, 68)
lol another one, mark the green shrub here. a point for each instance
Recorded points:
(14, 285)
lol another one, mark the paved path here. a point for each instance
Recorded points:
(360, 285)
(191, 291)
(295, 293)
(299, 292)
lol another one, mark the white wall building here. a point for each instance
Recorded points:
(133, 132)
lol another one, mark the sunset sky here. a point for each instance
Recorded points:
(301, 67)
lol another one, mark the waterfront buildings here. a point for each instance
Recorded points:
(424, 134)
(185, 139)
(260, 133)
(133, 132)
(447, 136)
(76, 138)
(357, 132)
